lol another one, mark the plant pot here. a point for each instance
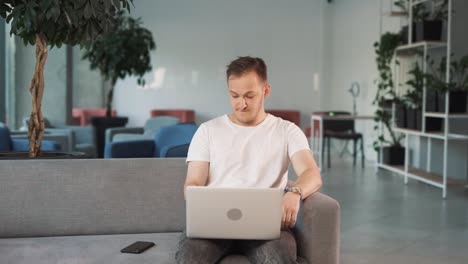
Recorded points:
(404, 34)
(393, 155)
(431, 101)
(400, 116)
(433, 124)
(100, 125)
(45, 155)
(386, 105)
(457, 102)
(428, 30)
(414, 118)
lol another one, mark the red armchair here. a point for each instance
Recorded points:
(184, 115)
(81, 115)
(290, 115)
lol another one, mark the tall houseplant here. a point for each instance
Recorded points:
(123, 51)
(54, 23)
(384, 50)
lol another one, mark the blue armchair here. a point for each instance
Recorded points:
(150, 129)
(169, 141)
(71, 138)
(7, 144)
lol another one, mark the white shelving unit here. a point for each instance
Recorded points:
(440, 181)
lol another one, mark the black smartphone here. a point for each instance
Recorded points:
(137, 247)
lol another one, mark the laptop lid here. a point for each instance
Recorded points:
(233, 213)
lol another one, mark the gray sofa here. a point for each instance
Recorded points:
(85, 211)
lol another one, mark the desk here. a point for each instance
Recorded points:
(317, 131)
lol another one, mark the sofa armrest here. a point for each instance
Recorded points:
(83, 134)
(53, 133)
(130, 149)
(318, 230)
(111, 132)
(173, 151)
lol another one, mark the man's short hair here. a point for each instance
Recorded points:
(243, 65)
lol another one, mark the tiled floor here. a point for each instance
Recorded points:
(385, 221)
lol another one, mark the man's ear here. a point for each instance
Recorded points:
(267, 90)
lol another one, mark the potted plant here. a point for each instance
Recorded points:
(457, 86)
(413, 98)
(54, 23)
(123, 51)
(427, 25)
(393, 152)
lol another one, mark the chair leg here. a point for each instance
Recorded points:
(354, 152)
(329, 150)
(362, 152)
(323, 146)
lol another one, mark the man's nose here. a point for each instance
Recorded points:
(243, 103)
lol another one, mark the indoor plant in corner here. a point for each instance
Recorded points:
(393, 152)
(50, 23)
(123, 51)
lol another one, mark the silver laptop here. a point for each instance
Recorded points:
(233, 213)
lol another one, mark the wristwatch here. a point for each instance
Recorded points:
(294, 189)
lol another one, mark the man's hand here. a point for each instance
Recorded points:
(290, 208)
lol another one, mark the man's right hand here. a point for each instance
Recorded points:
(290, 209)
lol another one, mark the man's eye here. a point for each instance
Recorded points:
(234, 96)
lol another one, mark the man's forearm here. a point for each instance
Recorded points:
(309, 182)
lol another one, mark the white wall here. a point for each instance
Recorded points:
(351, 27)
(87, 84)
(197, 39)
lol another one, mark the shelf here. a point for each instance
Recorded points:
(396, 14)
(417, 2)
(442, 115)
(392, 168)
(422, 175)
(421, 44)
(438, 135)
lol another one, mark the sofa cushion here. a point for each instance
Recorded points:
(95, 249)
(91, 197)
(88, 249)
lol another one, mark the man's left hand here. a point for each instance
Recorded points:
(290, 208)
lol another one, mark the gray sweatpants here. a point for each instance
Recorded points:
(210, 251)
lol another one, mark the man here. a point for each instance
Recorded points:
(250, 148)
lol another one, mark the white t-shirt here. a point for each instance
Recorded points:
(242, 156)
